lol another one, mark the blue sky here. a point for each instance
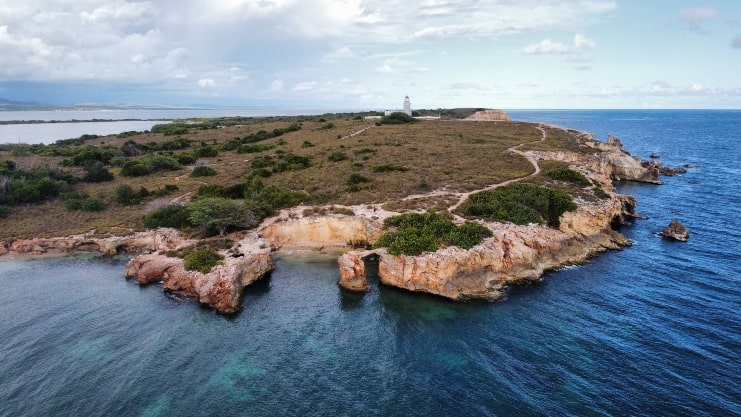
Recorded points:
(369, 54)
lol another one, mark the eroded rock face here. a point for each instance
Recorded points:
(352, 271)
(144, 242)
(329, 233)
(675, 231)
(514, 254)
(618, 164)
(220, 289)
(491, 115)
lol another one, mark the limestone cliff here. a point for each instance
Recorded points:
(513, 254)
(220, 289)
(328, 232)
(143, 242)
(490, 115)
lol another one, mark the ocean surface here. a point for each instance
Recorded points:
(652, 330)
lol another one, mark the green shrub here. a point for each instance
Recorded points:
(203, 171)
(389, 168)
(416, 233)
(520, 204)
(397, 118)
(170, 129)
(134, 169)
(307, 144)
(202, 261)
(206, 152)
(220, 214)
(600, 193)
(337, 157)
(357, 179)
(4, 212)
(291, 162)
(567, 174)
(96, 172)
(172, 215)
(185, 158)
(93, 204)
(328, 126)
(161, 162)
(127, 196)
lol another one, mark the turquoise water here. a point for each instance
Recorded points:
(650, 330)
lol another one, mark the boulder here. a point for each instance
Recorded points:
(675, 231)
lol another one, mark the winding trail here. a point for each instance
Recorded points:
(462, 197)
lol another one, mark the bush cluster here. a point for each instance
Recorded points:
(38, 184)
(259, 136)
(81, 201)
(567, 174)
(202, 261)
(337, 156)
(417, 233)
(520, 204)
(171, 215)
(203, 171)
(397, 118)
(389, 168)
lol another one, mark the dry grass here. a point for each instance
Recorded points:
(445, 154)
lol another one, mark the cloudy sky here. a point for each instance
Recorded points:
(360, 54)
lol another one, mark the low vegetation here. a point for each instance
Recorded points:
(202, 261)
(263, 164)
(416, 233)
(520, 203)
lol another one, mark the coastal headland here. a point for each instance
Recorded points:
(335, 184)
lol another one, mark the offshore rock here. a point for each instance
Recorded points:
(220, 289)
(675, 231)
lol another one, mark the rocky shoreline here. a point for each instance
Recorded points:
(512, 255)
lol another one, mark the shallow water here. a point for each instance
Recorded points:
(653, 329)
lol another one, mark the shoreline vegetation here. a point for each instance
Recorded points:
(461, 206)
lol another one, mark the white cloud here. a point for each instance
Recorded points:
(694, 17)
(276, 85)
(384, 69)
(206, 83)
(305, 86)
(579, 45)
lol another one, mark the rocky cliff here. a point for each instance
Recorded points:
(220, 289)
(491, 115)
(143, 242)
(323, 233)
(514, 254)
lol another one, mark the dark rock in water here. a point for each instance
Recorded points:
(675, 231)
(654, 155)
(691, 166)
(670, 172)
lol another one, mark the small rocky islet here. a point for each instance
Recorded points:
(511, 253)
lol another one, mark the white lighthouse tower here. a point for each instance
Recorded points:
(407, 106)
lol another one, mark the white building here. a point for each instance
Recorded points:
(407, 108)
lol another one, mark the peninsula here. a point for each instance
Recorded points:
(461, 206)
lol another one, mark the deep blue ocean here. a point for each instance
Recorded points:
(652, 330)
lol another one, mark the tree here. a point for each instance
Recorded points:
(221, 214)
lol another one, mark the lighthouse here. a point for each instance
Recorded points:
(407, 106)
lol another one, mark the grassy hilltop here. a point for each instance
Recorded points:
(108, 184)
